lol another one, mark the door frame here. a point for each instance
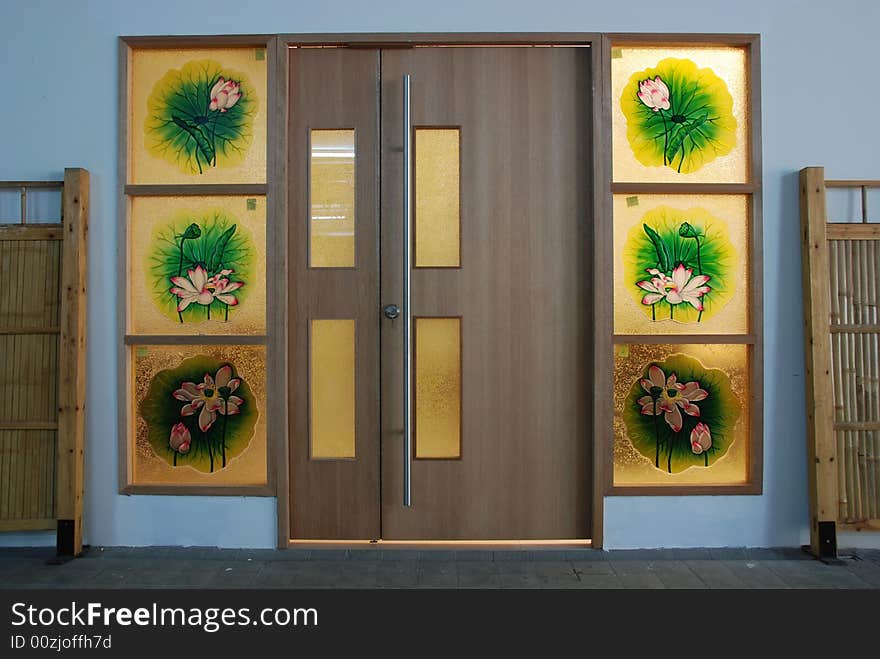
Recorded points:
(599, 233)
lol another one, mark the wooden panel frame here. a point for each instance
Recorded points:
(598, 183)
(68, 458)
(604, 275)
(827, 492)
(275, 257)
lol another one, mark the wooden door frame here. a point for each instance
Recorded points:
(599, 360)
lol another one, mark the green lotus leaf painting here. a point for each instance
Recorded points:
(678, 116)
(679, 264)
(200, 116)
(201, 414)
(680, 414)
(200, 266)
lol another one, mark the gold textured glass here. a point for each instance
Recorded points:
(189, 431)
(712, 447)
(708, 236)
(332, 194)
(437, 197)
(713, 133)
(438, 387)
(332, 389)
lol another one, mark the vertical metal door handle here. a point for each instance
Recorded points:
(407, 307)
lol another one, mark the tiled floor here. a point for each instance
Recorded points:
(169, 567)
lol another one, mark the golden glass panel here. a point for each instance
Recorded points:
(722, 371)
(721, 223)
(332, 186)
(438, 387)
(215, 302)
(332, 390)
(725, 157)
(197, 140)
(437, 197)
(231, 450)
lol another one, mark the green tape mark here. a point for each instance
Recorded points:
(632, 201)
(141, 351)
(621, 350)
(616, 53)
(252, 204)
(260, 54)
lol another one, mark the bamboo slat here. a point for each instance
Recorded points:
(30, 267)
(854, 270)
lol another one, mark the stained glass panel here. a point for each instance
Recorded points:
(197, 265)
(681, 414)
(199, 415)
(681, 264)
(680, 114)
(197, 115)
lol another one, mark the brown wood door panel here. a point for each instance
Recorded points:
(334, 89)
(521, 292)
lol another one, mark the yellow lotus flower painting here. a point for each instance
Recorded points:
(678, 116)
(679, 264)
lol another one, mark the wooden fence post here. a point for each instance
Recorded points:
(821, 442)
(72, 364)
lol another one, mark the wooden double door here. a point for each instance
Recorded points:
(499, 162)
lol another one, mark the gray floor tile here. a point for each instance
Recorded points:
(867, 571)
(437, 574)
(637, 574)
(597, 581)
(675, 574)
(814, 574)
(727, 553)
(475, 574)
(592, 568)
(556, 574)
(755, 575)
(715, 574)
(393, 574)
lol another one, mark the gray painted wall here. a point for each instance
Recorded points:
(58, 108)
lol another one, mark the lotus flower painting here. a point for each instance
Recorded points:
(680, 264)
(678, 116)
(680, 414)
(200, 116)
(200, 267)
(200, 414)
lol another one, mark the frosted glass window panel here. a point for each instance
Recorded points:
(197, 265)
(332, 389)
(332, 198)
(199, 414)
(197, 115)
(681, 414)
(437, 387)
(681, 264)
(437, 197)
(680, 114)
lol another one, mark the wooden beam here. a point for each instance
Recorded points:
(852, 231)
(72, 364)
(27, 524)
(31, 232)
(821, 443)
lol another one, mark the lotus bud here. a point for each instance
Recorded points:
(701, 439)
(180, 438)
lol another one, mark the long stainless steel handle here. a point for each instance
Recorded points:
(407, 307)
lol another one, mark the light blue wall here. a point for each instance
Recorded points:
(820, 99)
